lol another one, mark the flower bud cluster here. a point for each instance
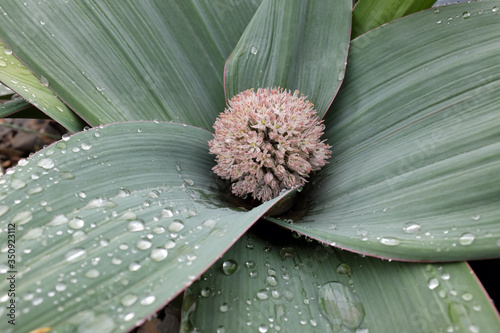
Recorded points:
(267, 141)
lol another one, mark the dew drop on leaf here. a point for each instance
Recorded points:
(46, 163)
(433, 283)
(135, 225)
(229, 267)
(3, 209)
(466, 238)
(344, 269)
(176, 226)
(340, 306)
(143, 244)
(158, 254)
(390, 241)
(148, 300)
(411, 227)
(75, 254)
(128, 299)
(17, 184)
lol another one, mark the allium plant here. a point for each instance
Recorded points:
(109, 224)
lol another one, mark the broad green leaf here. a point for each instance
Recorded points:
(369, 14)
(298, 45)
(226, 20)
(122, 216)
(415, 139)
(15, 75)
(270, 282)
(113, 61)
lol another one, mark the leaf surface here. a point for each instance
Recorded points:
(122, 216)
(415, 140)
(298, 45)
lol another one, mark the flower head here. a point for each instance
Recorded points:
(267, 141)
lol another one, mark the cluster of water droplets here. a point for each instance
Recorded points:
(278, 303)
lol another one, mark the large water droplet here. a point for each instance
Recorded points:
(340, 306)
(22, 217)
(58, 220)
(134, 266)
(254, 50)
(135, 225)
(158, 254)
(390, 241)
(99, 203)
(433, 283)
(344, 269)
(128, 299)
(46, 163)
(17, 184)
(411, 227)
(76, 223)
(466, 15)
(75, 254)
(4, 209)
(92, 273)
(143, 244)
(33, 233)
(287, 252)
(176, 226)
(229, 267)
(466, 238)
(148, 300)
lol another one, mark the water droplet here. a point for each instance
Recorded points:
(170, 244)
(340, 306)
(466, 238)
(341, 74)
(158, 254)
(92, 273)
(58, 220)
(209, 223)
(3, 209)
(344, 269)
(3, 63)
(44, 80)
(433, 283)
(262, 295)
(476, 217)
(134, 266)
(271, 281)
(166, 213)
(445, 276)
(76, 223)
(17, 184)
(135, 225)
(176, 226)
(229, 267)
(254, 50)
(224, 307)
(287, 252)
(33, 233)
(467, 297)
(60, 287)
(22, 218)
(75, 254)
(86, 146)
(143, 244)
(148, 300)
(390, 241)
(263, 328)
(205, 292)
(66, 175)
(189, 181)
(35, 190)
(100, 203)
(495, 9)
(411, 227)
(466, 15)
(158, 229)
(128, 300)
